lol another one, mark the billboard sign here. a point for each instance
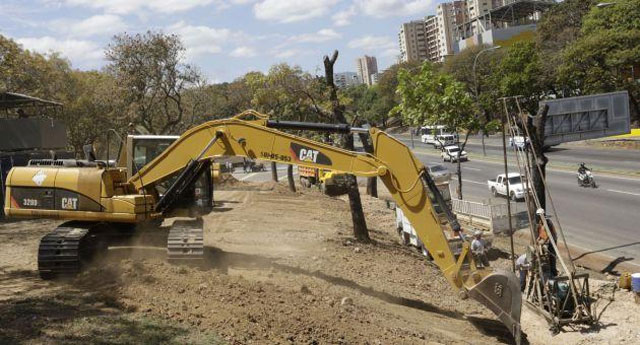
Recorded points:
(587, 117)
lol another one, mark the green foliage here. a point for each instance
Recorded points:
(90, 109)
(434, 98)
(561, 25)
(521, 75)
(287, 92)
(368, 104)
(605, 55)
(35, 74)
(484, 85)
(152, 78)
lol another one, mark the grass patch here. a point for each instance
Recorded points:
(75, 318)
(128, 329)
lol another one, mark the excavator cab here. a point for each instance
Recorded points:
(196, 199)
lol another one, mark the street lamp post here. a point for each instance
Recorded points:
(477, 89)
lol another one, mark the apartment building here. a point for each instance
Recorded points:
(478, 8)
(346, 79)
(448, 16)
(412, 41)
(375, 78)
(366, 66)
(432, 38)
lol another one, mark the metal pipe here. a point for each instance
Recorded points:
(312, 126)
(506, 175)
(309, 126)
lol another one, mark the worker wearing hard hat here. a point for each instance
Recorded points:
(479, 250)
(543, 240)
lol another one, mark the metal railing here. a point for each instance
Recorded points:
(477, 213)
(479, 209)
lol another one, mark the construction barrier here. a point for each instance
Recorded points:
(495, 217)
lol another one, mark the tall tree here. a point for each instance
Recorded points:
(360, 231)
(91, 109)
(482, 82)
(152, 77)
(286, 93)
(606, 56)
(434, 98)
(520, 72)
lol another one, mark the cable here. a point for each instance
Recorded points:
(548, 192)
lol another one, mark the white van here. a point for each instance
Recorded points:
(438, 136)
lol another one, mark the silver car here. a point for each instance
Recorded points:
(439, 173)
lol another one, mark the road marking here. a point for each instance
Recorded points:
(474, 182)
(622, 192)
(248, 176)
(474, 169)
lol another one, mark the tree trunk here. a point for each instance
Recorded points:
(292, 183)
(536, 131)
(372, 182)
(484, 148)
(635, 108)
(360, 231)
(274, 171)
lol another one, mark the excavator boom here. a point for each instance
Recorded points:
(393, 162)
(99, 198)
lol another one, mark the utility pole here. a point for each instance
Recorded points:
(506, 174)
(476, 88)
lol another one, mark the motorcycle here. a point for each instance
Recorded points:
(586, 179)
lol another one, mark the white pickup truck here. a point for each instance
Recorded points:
(498, 186)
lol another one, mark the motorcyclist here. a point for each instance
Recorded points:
(582, 169)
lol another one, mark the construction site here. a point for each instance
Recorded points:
(165, 246)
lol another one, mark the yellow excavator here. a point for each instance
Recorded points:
(99, 199)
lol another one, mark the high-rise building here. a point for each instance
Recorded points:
(367, 65)
(431, 37)
(412, 41)
(346, 79)
(375, 77)
(448, 16)
(476, 10)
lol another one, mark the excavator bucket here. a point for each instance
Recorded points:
(500, 292)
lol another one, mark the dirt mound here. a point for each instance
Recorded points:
(228, 182)
(280, 268)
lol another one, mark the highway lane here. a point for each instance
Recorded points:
(594, 219)
(565, 153)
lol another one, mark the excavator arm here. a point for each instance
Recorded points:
(254, 136)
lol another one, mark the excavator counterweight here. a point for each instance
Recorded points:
(104, 197)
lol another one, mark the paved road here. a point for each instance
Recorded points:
(605, 220)
(568, 154)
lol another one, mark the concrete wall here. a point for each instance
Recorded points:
(503, 37)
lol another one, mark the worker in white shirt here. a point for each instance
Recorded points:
(479, 250)
(522, 265)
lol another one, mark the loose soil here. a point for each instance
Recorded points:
(280, 268)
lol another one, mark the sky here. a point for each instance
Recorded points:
(224, 38)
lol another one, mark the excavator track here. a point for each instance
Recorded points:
(64, 251)
(186, 241)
